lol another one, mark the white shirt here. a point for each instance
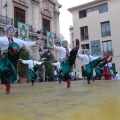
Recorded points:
(31, 63)
(86, 58)
(55, 73)
(57, 64)
(62, 51)
(117, 76)
(78, 73)
(72, 74)
(4, 44)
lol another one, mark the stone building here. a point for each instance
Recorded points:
(39, 15)
(96, 25)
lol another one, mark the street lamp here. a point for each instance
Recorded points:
(44, 55)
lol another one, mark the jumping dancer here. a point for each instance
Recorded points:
(99, 69)
(10, 47)
(67, 58)
(90, 62)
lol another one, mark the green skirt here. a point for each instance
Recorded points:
(32, 75)
(7, 70)
(60, 77)
(8, 65)
(66, 69)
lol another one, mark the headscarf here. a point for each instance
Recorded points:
(109, 64)
(63, 42)
(86, 51)
(6, 29)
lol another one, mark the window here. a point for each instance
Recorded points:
(103, 8)
(95, 8)
(85, 46)
(107, 47)
(89, 10)
(19, 15)
(46, 25)
(84, 33)
(82, 14)
(105, 29)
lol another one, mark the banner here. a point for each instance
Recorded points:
(50, 37)
(23, 31)
(95, 47)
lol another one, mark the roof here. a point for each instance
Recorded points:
(86, 5)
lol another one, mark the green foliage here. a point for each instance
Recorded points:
(48, 68)
(41, 72)
(23, 68)
(55, 61)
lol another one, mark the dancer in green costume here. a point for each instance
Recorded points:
(90, 62)
(68, 58)
(33, 67)
(10, 49)
(98, 69)
(59, 70)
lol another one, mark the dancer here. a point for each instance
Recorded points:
(67, 58)
(10, 47)
(98, 69)
(33, 67)
(106, 71)
(59, 71)
(90, 62)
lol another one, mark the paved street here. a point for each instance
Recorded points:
(53, 101)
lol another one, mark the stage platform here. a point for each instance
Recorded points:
(53, 101)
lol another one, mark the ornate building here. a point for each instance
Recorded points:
(39, 15)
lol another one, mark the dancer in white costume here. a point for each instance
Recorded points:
(10, 48)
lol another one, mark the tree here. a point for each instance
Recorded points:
(23, 68)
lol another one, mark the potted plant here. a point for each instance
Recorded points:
(23, 68)
(48, 70)
(41, 73)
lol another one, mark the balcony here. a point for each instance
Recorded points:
(16, 25)
(5, 20)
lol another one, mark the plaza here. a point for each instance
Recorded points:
(53, 101)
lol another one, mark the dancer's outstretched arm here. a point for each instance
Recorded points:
(27, 43)
(39, 63)
(25, 61)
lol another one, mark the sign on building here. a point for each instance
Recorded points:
(95, 47)
(50, 37)
(23, 31)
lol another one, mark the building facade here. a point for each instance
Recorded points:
(39, 15)
(97, 26)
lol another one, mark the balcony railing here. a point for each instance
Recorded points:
(16, 25)
(5, 20)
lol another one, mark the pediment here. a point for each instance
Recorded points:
(22, 2)
(46, 12)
